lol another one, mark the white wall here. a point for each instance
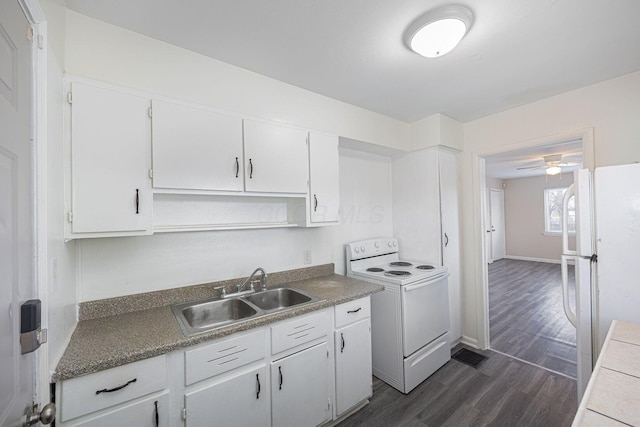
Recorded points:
(524, 218)
(105, 52)
(611, 108)
(112, 267)
(61, 300)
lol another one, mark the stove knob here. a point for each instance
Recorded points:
(377, 244)
(357, 250)
(395, 244)
(362, 248)
(390, 244)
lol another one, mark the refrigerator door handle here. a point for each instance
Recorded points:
(565, 289)
(571, 191)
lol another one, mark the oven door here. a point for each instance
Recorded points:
(425, 313)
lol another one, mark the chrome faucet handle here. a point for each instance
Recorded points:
(224, 291)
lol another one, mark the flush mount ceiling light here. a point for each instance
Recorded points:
(437, 32)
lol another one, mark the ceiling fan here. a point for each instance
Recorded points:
(553, 164)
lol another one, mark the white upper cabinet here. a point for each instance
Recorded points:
(196, 149)
(276, 158)
(324, 190)
(110, 160)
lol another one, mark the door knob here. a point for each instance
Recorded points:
(46, 416)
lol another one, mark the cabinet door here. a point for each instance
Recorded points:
(150, 412)
(300, 388)
(323, 178)
(276, 158)
(353, 365)
(110, 160)
(447, 160)
(196, 149)
(241, 400)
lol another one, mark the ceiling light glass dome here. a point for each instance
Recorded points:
(437, 32)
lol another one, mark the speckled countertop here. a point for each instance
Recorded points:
(121, 337)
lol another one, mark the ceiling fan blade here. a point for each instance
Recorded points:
(531, 167)
(563, 164)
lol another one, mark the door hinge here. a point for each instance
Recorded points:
(150, 173)
(328, 404)
(69, 98)
(30, 33)
(184, 414)
(150, 112)
(40, 41)
(70, 216)
(327, 354)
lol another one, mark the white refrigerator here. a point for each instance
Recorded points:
(606, 257)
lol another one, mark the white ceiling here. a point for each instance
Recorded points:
(505, 165)
(517, 51)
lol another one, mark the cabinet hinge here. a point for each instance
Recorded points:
(69, 98)
(70, 216)
(184, 414)
(150, 173)
(150, 112)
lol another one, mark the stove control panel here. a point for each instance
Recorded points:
(372, 247)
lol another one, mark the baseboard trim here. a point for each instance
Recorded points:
(471, 342)
(527, 258)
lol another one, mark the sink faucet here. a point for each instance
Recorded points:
(263, 280)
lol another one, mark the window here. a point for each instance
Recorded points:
(553, 211)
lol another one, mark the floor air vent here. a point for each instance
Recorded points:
(469, 357)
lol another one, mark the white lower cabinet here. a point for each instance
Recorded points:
(353, 354)
(285, 374)
(239, 400)
(300, 393)
(353, 365)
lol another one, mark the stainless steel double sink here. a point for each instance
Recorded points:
(200, 316)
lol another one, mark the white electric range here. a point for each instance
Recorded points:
(410, 318)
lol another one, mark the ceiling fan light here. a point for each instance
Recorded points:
(553, 170)
(438, 32)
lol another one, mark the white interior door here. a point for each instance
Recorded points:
(16, 211)
(496, 202)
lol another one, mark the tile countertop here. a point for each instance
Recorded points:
(612, 398)
(124, 337)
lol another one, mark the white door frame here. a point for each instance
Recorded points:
(480, 201)
(37, 19)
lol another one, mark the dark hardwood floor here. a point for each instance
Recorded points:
(502, 391)
(526, 317)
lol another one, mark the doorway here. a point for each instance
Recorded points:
(524, 285)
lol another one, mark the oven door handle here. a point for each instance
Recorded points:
(429, 282)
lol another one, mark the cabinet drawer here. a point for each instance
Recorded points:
(298, 331)
(222, 356)
(140, 414)
(353, 311)
(91, 393)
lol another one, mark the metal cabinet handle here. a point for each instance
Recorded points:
(137, 201)
(250, 169)
(315, 203)
(237, 167)
(258, 384)
(157, 417)
(342, 346)
(281, 379)
(109, 390)
(446, 240)
(355, 311)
